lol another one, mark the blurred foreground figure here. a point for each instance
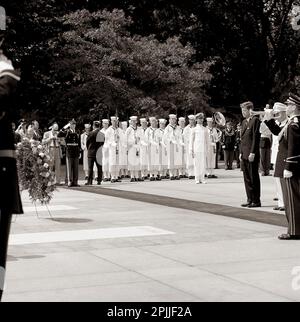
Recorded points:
(10, 201)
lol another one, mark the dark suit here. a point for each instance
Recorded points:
(250, 139)
(94, 142)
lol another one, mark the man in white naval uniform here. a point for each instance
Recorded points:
(171, 139)
(83, 138)
(182, 150)
(163, 156)
(105, 153)
(153, 149)
(187, 137)
(133, 147)
(199, 144)
(212, 148)
(124, 152)
(144, 153)
(114, 139)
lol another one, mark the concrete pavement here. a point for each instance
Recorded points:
(126, 250)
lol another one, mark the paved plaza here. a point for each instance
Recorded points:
(115, 244)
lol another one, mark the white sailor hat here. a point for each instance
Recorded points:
(199, 116)
(105, 121)
(124, 123)
(133, 118)
(209, 119)
(172, 116)
(143, 120)
(114, 118)
(181, 119)
(279, 107)
(152, 118)
(191, 117)
(87, 126)
(162, 121)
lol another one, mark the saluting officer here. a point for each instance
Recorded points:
(72, 139)
(10, 201)
(288, 162)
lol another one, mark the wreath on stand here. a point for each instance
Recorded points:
(34, 171)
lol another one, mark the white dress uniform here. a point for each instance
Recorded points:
(172, 140)
(153, 151)
(189, 158)
(133, 147)
(83, 138)
(114, 138)
(124, 152)
(163, 155)
(199, 145)
(212, 149)
(105, 154)
(183, 152)
(144, 153)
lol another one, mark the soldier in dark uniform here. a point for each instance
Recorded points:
(250, 139)
(10, 201)
(72, 140)
(94, 142)
(228, 143)
(288, 164)
(237, 147)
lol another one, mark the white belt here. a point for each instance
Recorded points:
(7, 154)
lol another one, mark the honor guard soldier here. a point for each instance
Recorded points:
(10, 201)
(153, 149)
(83, 138)
(72, 140)
(114, 139)
(144, 151)
(288, 164)
(105, 152)
(182, 150)
(124, 152)
(171, 138)
(187, 137)
(163, 156)
(133, 146)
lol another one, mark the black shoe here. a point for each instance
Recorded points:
(172, 178)
(70, 185)
(99, 183)
(255, 205)
(281, 209)
(246, 205)
(158, 179)
(76, 185)
(132, 180)
(88, 184)
(113, 180)
(276, 208)
(289, 237)
(177, 178)
(152, 179)
(214, 177)
(275, 199)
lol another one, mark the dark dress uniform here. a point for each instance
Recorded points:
(250, 139)
(94, 142)
(288, 158)
(10, 201)
(72, 139)
(228, 143)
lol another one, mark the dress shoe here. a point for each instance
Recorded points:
(177, 178)
(152, 179)
(132, 180)
(99, 183)
(113, 180)
(214, 176)
(76, 185)
(88, 184)
(245, 205)
(254, 205)
(289, 237)
(275, 199)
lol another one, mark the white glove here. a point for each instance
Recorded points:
(287, 174)
(251, 157)
(269, 115)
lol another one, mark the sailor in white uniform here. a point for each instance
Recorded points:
(105, 155)
(187, 137)
(163, 156)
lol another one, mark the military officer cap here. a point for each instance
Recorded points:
(191, 117)
(172, 116)
(133, 118)
(200, 116)
(114, 118)
(73, 121)
(162, 121)
(279, 107)
(105, 121)
(248, 105)
(294, 99)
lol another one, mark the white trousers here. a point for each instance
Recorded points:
(200, 166)
(279, 193)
